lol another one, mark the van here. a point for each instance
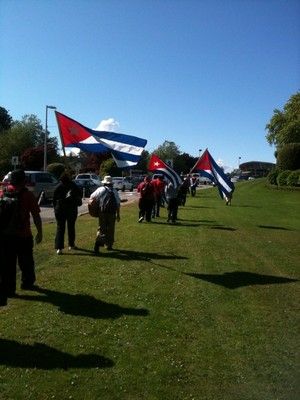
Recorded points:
(38, 182)
(89, 177)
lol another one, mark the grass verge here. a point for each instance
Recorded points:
(205, 309)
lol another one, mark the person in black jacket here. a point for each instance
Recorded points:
(66, 199)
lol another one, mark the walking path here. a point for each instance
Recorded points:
(47, 212)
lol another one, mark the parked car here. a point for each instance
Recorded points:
(122, 183)
(90, 177)
(87, 186)
(38, 182)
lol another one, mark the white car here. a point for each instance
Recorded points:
(89, 177)
(122, 183)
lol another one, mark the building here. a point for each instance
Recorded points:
(256, 169)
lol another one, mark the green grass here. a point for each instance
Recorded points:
(206, 309)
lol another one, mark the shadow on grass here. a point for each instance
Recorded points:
(274, 227)
(234, 280)
(83, 305)
(178, 223)
(223, 228)
(141, 255)
(193, 207)
(41, 356)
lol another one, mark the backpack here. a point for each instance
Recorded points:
(108, 202)
(93, 207)
(10, 212)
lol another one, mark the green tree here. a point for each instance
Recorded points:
(109, 167)
(24, 135)
(167, 151)
(143, 162)
(284, 126)
(5, 120)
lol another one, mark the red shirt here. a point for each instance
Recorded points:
(28, 205)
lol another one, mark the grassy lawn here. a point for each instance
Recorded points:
(206, 309)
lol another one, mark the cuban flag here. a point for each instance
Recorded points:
(206, 166)
(159, 166)
(125, 149)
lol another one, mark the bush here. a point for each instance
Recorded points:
(56, 169)
(272, 176)
(288, 157)
(294, 178)
(282, 178)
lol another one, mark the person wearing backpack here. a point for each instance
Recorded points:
(109, 211)
(66, 200)
(16, 239)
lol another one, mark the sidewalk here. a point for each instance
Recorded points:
(47, 212)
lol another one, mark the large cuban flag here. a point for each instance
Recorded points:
(157, 165)
(207, 166)
(125, 149)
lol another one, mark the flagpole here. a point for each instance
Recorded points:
(62, 143)
(197, 161)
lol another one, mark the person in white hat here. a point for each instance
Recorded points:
(109, 211)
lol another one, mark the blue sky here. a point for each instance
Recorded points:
(200, 73)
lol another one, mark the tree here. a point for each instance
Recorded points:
(109, 167)
(284, 126)
(5, 120)
(183, 163)
(288, 156)
(142, 165)
(167, 151)
(24, 135)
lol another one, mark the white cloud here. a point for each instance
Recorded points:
(221, 164)
(109, 125)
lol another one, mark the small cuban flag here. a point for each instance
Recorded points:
(157, 165)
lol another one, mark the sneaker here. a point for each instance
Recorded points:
(59, 251)
(141, 219)
(73, 248)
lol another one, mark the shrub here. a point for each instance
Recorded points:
(282, 178)
(272, 176)
(56, 169)
(294, 178)
(288, 157)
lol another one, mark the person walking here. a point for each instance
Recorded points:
(67, 198)
(159, 190)
(146, 200)
(172, 200)
(17, 239)
(183, 191)
(109, 211)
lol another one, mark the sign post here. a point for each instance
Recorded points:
(15, 161)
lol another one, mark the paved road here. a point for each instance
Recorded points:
(47, 212)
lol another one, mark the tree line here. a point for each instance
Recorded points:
(25, 139)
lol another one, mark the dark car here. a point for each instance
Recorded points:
(87, 186)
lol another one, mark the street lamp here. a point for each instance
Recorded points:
(46, 136)
(239, 161)
(200, 150)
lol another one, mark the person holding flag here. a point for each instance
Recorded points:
(207, 167)
(174, 182)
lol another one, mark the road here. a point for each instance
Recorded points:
(47, 213)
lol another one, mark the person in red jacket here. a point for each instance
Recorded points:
(159, 190)
(146, 200)
(17, 246)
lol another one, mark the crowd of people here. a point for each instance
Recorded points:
(16, 237)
